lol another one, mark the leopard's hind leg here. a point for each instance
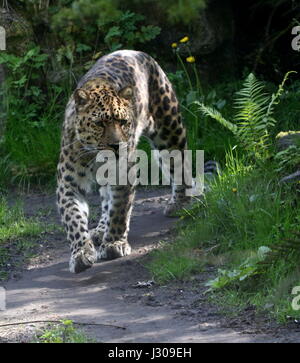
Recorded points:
(168, 133)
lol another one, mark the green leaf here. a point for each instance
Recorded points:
(246, 269)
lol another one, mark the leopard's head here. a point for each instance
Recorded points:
(104, 116)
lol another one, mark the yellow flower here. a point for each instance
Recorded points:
(234, 190)
(184, 40)
(174, 45)
(191, 59)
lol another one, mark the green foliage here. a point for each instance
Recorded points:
(108, 25)
(243, 210)
(288, 114)
(187, 82)
(201, 134)
(13, 223)
(215, 114)
(73, 15)
(63, 333)
(174, 261)
(251, 103)
(288, 158)
(128, 33)
(253, 119)
(32, 116)
(182, 11)
(248, 268)
(102, 20)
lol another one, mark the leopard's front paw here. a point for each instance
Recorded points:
(110, 251)
(83, 258)
(97, 235)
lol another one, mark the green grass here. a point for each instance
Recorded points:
(13, 223)
(16, 234)
(30, 149)
(175, 260)
(33, 152)
(245, 209)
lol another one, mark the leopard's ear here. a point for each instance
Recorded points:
(126, 92)
(81, 97)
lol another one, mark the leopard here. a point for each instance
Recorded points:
(124, 96)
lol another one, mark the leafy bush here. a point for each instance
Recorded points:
(32, 114)
(107, 28)
(172, 11)
(128, 33)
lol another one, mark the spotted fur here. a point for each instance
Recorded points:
(124, 95)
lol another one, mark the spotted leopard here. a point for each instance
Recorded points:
(124, 95)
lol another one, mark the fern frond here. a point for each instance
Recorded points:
(251, 104)
(275, 98)
(216, 115)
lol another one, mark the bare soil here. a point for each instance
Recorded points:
(116, 294)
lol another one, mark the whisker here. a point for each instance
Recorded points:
(91, 161)
(86, 152)
(71, 143)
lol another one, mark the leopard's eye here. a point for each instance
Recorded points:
(123, 122)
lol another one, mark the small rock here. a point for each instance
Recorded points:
(143, 284)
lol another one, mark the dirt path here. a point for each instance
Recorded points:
(106, 293)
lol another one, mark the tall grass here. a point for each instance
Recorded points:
(244, 210)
